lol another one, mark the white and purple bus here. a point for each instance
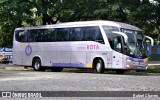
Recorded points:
(98, 44)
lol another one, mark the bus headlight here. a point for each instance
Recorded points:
(128, 60)
(124, 57)
(127, 66)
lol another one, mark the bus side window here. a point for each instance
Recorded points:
(75, 34)
(99, 37)
(72, 35)
(32, 35)
(79, 32)
(90, 34)
(39, 35)
(59, 35)
(44, 34)
(62, 34)
(93, 34)
(21, 36)
(52, 35)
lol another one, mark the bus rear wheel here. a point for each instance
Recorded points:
(99, 66)
(56, 69)
(37, 65)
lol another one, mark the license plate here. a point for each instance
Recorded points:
(139, 67)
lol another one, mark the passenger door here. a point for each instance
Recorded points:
(117, 61)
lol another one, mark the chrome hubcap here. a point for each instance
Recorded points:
(98, 66)
(37, 65)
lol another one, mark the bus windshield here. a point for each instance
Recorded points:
(136, 46)
(136, 43)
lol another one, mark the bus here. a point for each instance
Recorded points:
(6, 55)
(100, 45)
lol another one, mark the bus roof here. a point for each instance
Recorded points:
(85, 23)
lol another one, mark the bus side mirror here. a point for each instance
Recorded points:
(122, 34)
(152, 41)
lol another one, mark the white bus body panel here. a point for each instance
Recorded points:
(79, 54)
(117, 62)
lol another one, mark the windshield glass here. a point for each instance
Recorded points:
(136, 43)
(136, 46)
(142, 45)
(132, 41)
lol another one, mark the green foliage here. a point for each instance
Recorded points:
(18, 13)
(153, 69)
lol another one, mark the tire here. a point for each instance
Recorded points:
(99, 66)
(37, 65)
(120, 71)
(56, 69)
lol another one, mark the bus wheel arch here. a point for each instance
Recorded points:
(98, 65)
(36, 64)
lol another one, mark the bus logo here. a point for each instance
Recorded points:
(92, 47)
(6, 94)
(28, 50)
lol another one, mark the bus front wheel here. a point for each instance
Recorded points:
(37, 65)
(99, 66)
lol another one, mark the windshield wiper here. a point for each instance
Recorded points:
(132, 42)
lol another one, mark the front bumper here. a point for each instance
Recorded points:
(136, 64)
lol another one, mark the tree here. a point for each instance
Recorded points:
(19, 13)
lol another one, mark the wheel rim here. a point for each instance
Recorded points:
(37, 65)
(98, 66)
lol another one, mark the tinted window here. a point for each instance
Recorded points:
(62, 34)
(90, 33)
(48, 35)
(21, 35)
(51, 35)
(76, 34)
(86, 34)
(33, 35)
(93, 34)
(41, 35)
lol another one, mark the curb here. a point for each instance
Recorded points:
(15, 68)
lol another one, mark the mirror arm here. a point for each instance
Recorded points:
(124, 35)
(152, 41)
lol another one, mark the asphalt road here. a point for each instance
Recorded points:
(76, 80)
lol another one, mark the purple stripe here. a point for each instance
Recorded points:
(68, 65)
(136, 59)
